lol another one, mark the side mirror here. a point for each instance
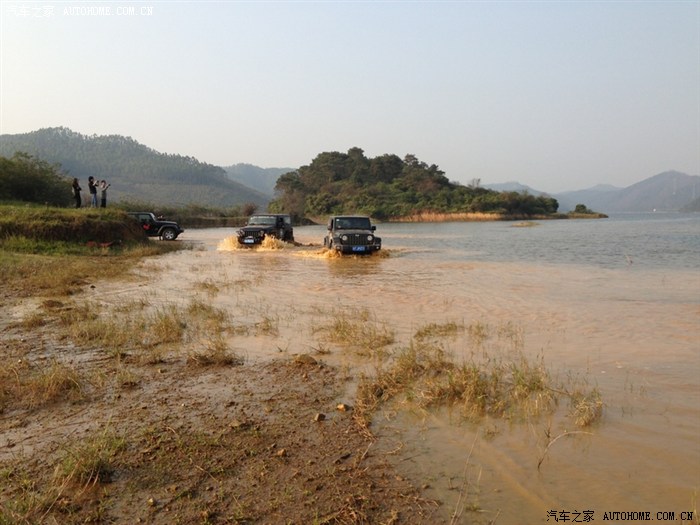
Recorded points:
(330, 227)
(374, 228)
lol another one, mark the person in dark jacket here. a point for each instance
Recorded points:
(76, 193)
(92, 188)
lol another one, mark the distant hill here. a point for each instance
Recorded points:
(260, 179)
(513, 186)
(668, 191)
(135, 171)
(591, 197)
(138, 172)
(567, 201)
(693, 206)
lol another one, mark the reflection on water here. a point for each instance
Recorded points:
(613, 303)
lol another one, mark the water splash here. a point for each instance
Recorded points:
(230, 244)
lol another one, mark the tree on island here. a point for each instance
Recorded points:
(388, 187)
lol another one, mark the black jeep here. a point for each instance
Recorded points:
(352, 234)
(263, 225)
(156, 226)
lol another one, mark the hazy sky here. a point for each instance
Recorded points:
(556, 95)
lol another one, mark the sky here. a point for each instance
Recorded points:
(557, 95)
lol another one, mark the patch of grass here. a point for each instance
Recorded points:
(165, 325)
(208, 314)
(33, 385)
(126, 378)
(489, 386)
(90, 461)
(56, 251)
(509, 385)
(434, 330)
(26, 503)
(215, 352)
(88, 324)
(56, 382)
(208, 286)
(586, 407)
(478, 332)
(33, 321)
(64, 274)
(267, 326)
(512, 334)
(357, 328)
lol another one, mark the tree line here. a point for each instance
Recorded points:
(388, 187)
(385, 187)
(134, 170)
(26, 178)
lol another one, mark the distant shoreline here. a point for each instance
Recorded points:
(483, 217)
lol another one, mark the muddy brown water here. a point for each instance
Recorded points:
(626, 325)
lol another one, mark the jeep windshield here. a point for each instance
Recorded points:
(262, 220)
(352, 223)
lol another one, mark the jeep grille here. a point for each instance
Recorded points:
(357, 239)
(255, 234)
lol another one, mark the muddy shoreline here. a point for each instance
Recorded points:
(227, 325)
(169, 438)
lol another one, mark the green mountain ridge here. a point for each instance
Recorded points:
(135, 172)
(332, 182)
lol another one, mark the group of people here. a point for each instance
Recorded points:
(93, 186)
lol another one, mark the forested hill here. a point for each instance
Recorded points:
(260, 179)
(136, 172)
(388, 187)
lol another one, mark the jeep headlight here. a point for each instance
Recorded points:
(370, 238)
(344, 238)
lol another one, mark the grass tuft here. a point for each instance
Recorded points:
(586, 408)
(90, 461)
(215, 352)
(357, 328)
(510, 386)
(31, 386)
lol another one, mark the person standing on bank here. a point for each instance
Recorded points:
(103, 193)
(76, 193)
(92, 188)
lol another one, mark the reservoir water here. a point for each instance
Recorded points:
(612, 304)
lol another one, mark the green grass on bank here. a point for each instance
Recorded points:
(47, 224)
(54, 251)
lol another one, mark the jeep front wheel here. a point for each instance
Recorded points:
(168, 234)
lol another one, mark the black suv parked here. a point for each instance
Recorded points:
(351, 234)
(156, 227)
(261, 225)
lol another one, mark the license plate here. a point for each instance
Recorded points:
(358, 248)
(249, 241)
